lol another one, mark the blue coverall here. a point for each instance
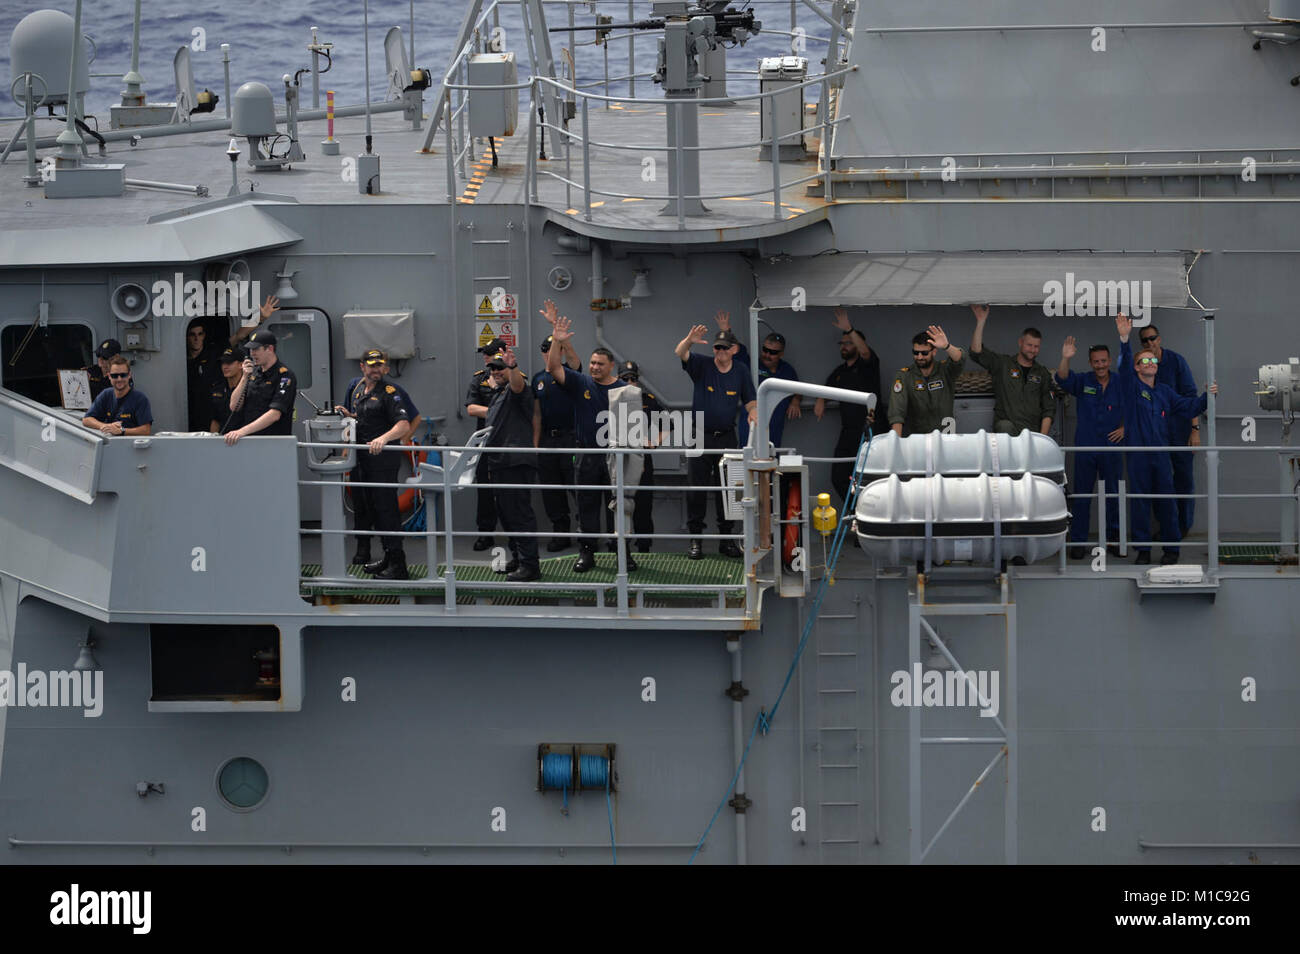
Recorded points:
(1100, 411)
(1147, 414)
(1174, 372)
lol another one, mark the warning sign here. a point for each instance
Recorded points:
(497, 317)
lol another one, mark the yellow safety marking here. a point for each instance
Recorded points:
(597, 205)
(634, 200)
(570, 211)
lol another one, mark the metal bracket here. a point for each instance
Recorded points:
(735, 692)
(740, 803)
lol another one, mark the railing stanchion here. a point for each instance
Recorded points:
(776, 164)
(586, 165)
(620, 532)
(449, 576)
(1122, 503)
(631, 52)
(826, 141)
(1211, 456)
(679, 159)
(451, 154)
(530, 168)
(464, 141)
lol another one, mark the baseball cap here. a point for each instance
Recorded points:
(233, 354)
(261, 339)
(374, 356)
(497, 360)
(726, 338)
(629, 369)
(493, 346)
(546, 345)
(108, 348)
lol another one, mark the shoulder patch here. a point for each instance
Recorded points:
(898, 385)
(390, 389)
(283, 369)
(541, 385)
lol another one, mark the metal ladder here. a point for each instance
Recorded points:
(839, 681)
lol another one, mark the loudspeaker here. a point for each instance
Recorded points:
(130, 302)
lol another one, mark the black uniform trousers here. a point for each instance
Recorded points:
(591, 469)
(516, 509)
(375, 508)
(703, 471)
(846, 445)
(486, 515)
(643, 518)
(556, 469)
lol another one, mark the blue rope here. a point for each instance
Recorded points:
(764, 719)
(593, 772)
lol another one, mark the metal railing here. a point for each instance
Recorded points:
(441, 541)
(456, 89)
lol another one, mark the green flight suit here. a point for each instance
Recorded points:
(919, 403)
(1022, 396)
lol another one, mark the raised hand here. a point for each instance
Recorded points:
(981, 312)
(723, 318)
(1069, 350)
(937, 337)
(563, 329)
(699, 334)
(270, 306)
(841, 320)
(1124, 325)
(549, 312)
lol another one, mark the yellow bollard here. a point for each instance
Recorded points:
(823, 515)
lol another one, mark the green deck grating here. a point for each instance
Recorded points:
(1249, 553)
(654, 568)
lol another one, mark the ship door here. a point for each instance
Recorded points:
(302, 342)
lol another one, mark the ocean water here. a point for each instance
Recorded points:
(268, 40)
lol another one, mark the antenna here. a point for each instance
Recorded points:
(368, 163)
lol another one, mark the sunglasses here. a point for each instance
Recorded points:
(722, 347)
(1148, 339)
(772, 352)
(123, 375)
(921, 354)
(1148, 360)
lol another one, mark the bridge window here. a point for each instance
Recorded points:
(31, 356)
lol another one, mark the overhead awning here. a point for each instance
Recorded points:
(964, 278)
(199, 237)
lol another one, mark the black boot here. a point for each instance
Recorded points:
(509, 567)
(631, 560)
(586, 560)
(482, 543)
(728, 548)
(377, 566)
(362, 556)
(396, 569)
(696, 551)
(525, 574)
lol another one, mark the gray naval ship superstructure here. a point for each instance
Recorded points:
(261, 700)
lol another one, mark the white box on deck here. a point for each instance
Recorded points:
(774, 74)
(492, 112)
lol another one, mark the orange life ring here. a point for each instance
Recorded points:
(793, 512)
(406, 499)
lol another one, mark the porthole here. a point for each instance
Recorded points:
(243, 783)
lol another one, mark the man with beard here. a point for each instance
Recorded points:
(382, 418)
(1022, 390)
(921, 396)
(121, 411)
(1100, 422)
(859, 372)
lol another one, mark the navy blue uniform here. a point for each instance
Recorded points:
(776, 425)
(132, 411)
(590, 399)
(1100, 411)
(718, 396)
(480, 391)
(557, 410)
(375, 508)
(219, 406)
(861, 375)
(98, 379)
(203, 372)
(643, 521)
(511, 418)
(1147, 415)
(402, 396)
(1174, 371)
(274, 389)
